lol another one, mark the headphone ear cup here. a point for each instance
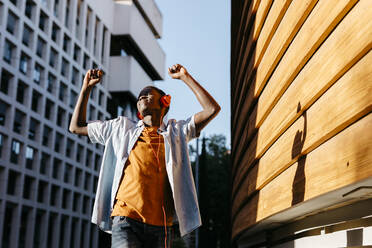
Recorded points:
(139, 115)
(165, 101)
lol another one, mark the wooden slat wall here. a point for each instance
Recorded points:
(301, 80)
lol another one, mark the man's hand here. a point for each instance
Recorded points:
(177, 71)
(92, 77)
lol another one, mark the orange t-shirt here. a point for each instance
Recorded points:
(144, 188)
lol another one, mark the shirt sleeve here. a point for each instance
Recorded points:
(189, 129)
(99, 131)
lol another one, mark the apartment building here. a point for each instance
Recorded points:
(48, 176)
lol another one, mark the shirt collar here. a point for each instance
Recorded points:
(162, 127)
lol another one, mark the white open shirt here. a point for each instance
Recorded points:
(119, 136)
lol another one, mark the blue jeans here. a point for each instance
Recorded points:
(130, 233)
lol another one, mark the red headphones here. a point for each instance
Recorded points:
(164, 102)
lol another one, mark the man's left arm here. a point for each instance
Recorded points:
(210, 106)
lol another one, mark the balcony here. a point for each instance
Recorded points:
(132, 33)
(127, 75)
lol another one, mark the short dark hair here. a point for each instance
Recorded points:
(147, 89)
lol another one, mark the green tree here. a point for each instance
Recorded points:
(214, 192)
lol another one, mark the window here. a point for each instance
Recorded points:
(73, 98)
(53, 218)
(76, 202)
(66, 43)
(67, 177)
(79, 12)
(34, 126)
(43, 21)
(13, 182)
(53, 57)
(21, 91)
(103, 44)
(2, 143)
(55, 32)
(75, 76)
(46, 133)
(58, 142)
(88, 158)
(95, 36)
(56, 8)
(14, 2)
(95, 183)
(42, 193)
(40, 49)
(91, 112)
(44, 163)
(49, 105)
(87, 180)
(76, 53)
(36, 96)
(60, 116)
(97, 161)
(66, 200)
(38, 71)
(3, 112)
(28, 187)
(15, 151)
(6, 79)
(27, 36)
(86, 204)
(78, 177)
(88, 15)
(86, 62)
(100, 98)
(67, 14)
(69, 147)
(62, 91)
(24, 63)
(12, 23)
(64, 68)
(8, 51)
(18, 121)
(79, 153)
(30, 157)
(9, 222)
(40, 215)
(51, 83)
(54, 195)
(95, 65)
(57, 167)
(29, 9)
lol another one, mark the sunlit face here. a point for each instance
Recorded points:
(148, 102)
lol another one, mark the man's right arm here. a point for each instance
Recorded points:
(78, 124)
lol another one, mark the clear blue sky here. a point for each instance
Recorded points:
(196, 34)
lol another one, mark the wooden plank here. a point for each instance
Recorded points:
(269, 16)
(353, 37)
(329, 167)
(274, 18)
(295, 16)
(320, 23)
(239, 30)
(260, 18)
(248, 11)
(344, 103)
(323, 19)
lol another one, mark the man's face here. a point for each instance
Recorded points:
(149, 102)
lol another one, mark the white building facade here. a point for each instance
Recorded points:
(48, 176)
